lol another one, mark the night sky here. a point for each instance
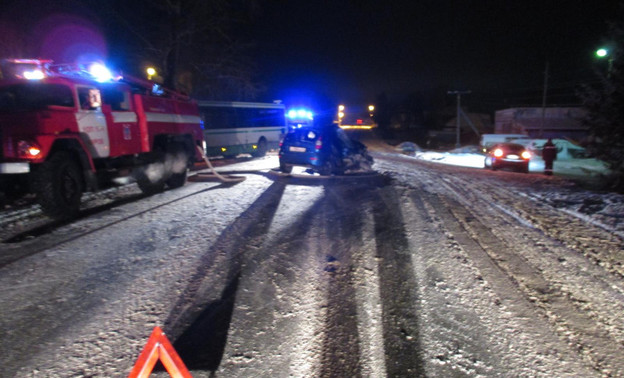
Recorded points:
(351, 51)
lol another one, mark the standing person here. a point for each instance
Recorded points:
(549, 154)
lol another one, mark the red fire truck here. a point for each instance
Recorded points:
(64, 131)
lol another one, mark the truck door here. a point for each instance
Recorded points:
(91, 121)
(123, 129)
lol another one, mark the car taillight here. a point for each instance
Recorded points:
(498, 152)
(318, 144)
(28, 150)
(526, 155)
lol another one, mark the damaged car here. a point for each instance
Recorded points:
(325, 150)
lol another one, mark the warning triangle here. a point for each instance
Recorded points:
(157, 348)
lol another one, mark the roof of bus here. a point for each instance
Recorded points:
(240, 104)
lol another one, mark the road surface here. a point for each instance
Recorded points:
(416, 269)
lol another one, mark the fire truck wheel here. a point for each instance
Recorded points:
(150, 178)
(177, 160)
(262, 148)
(59, 186)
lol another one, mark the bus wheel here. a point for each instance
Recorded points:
(262, 148)
(59, 186)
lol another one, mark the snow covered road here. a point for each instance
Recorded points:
(421, 270)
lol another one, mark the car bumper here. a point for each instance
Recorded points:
(302, 159)
(509, 163)
(14, 168)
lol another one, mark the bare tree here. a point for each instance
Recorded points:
(605, 116)
(190, 42)
(11, 42)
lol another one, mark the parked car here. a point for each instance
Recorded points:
(324, 149)
(508, 156)
(489, 140)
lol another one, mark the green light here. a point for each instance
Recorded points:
(601, 53)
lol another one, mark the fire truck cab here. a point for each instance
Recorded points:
(63, 131)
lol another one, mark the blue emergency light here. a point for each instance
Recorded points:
(299, 114)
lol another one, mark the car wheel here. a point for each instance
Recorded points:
(337, 165)
(326, 168)
(487, 163)
(286, 168)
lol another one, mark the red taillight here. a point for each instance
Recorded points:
(498, 152)
(318, 144)
(526, 155)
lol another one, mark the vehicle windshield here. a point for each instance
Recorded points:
(34, 96)
(305, 134)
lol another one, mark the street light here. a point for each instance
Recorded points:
(151, 71)
(605, 53)
(341, 114)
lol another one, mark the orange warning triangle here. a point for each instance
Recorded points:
(157, 348)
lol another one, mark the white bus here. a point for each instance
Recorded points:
(232, 128)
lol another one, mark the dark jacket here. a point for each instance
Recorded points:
(549, 152)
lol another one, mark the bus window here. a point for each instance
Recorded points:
(232, 128)
(218, 118)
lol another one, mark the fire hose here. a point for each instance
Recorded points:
(214, 173)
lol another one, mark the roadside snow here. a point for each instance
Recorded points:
(603, 209)
(565, 167)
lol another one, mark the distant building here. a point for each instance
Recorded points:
(563, 123)
(471, 126)
(476, 123)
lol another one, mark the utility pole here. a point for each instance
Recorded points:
(543, 124)
(458, 93)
